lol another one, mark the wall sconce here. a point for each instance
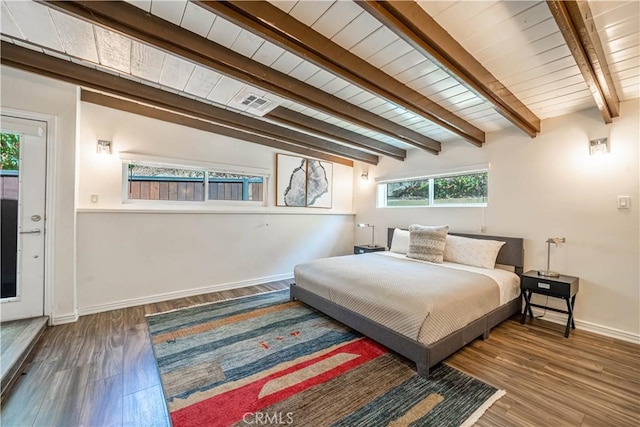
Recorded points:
(599, 146)
(103, 147)
(364, 176)
(373, 231)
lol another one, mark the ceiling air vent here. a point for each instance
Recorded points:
(252, 103)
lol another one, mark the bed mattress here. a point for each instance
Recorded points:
(420, 300)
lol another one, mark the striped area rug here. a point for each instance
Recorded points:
(263, 360)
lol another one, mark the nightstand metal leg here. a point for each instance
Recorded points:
(527, 306)
(570, 322)
(573, 304)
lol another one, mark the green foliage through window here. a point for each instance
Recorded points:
(463, 189)
(10, 153)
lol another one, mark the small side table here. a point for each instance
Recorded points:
(363, 249)
(565, 287)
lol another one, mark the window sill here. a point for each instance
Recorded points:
(221, 211)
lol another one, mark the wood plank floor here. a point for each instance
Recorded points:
(100, 371)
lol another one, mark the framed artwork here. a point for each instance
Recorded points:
(291, 180)
(319, 184)
(303, 182)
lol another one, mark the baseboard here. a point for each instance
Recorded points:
(590, 327)
(66, 318)
(116, 305)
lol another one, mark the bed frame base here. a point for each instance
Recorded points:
(424, 357)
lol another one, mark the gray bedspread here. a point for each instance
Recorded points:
(425, 302)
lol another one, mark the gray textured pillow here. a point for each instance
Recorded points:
(427, 243)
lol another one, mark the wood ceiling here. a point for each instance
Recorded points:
(337, 80)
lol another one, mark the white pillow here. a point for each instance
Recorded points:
(475, 252)
(400, 241)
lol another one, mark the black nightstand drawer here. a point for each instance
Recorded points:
(363, 249)
(563, 286)
(545, 286)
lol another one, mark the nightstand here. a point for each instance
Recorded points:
(565, 287)
(363, 249)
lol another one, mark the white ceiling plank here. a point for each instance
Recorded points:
(35, 23)
(8, 25)
(552, 84)
(406, 61)
(361, 97)
(348, 92)
(197, 20)
(623, 55)
(141, 4)
(286, 63)
(356, 31)
(176, 72)
(225, 90)
(284, 5)
(308, 12)
(114, 50)
(171, 11)
(202, 81)
(247, 43)
(335, 85)
(524, 76)
(146, 61)
(268, 53)
(627, 64)
(76, 36)
(321, 78)
(303, 71)
(626, 42)
(552, 95)
(415, 72)
(387, 106)
(372, 103)
(376, 41)
(428, 79)
(390, 53)
(336, 18)
(612, 31)
(223, 32)
(439, 86)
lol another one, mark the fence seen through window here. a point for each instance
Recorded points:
(148, 182)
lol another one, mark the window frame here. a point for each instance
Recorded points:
(206, 167)
(381, 189)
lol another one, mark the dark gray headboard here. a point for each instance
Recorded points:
(512, 253)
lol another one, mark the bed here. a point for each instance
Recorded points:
(331, 286)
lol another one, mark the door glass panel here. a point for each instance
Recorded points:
(9, 178)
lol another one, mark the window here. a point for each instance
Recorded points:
(460, 189)
(147, 180)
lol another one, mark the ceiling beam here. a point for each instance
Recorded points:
(40, 63)
(182, 120)
(280, 28)
(144, 27)
(576, 24)
(412, 24)
(298, 120)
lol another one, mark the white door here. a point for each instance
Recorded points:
(22, 214)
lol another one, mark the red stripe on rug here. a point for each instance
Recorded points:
(228, 408)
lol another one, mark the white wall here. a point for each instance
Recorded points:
(31, 93)
(544, 187)
(132, 253)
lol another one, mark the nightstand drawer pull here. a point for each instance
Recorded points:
(544, 285)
